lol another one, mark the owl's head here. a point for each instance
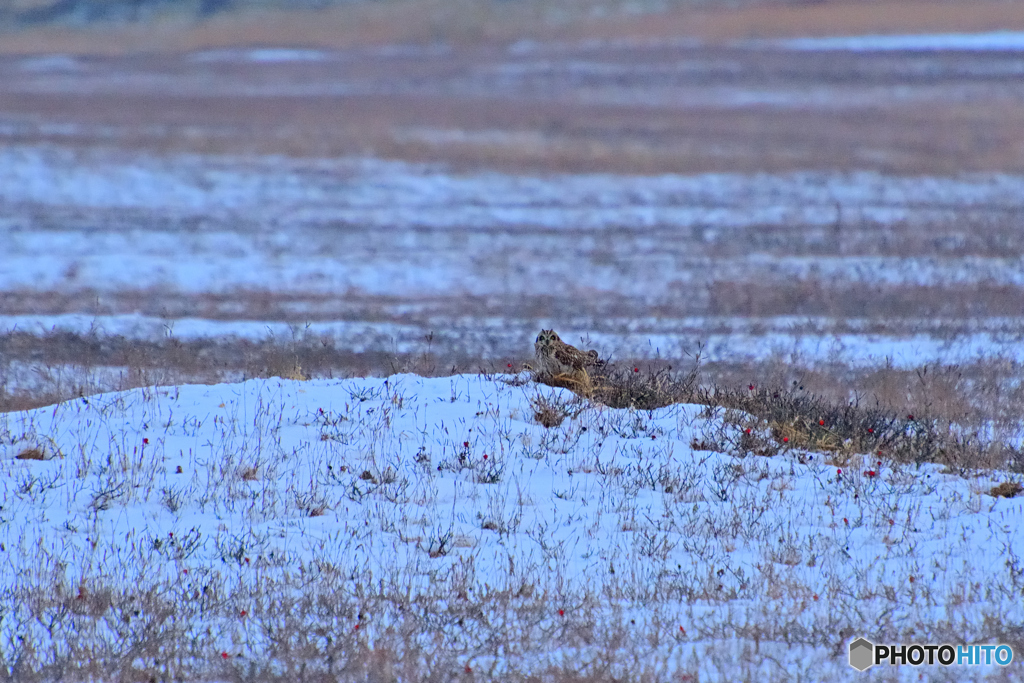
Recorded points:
(547, 337)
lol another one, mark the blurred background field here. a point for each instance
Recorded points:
(212, 190)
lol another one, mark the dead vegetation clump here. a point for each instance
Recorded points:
(1008, 489)
(806, 421)
(548, 412)
(551, 411)
(647, 388)
(926, 415)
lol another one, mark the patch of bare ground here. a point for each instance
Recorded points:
(639, 108)
(890, 308)
(68, 365)
(346, 25)
(792, 19)
(516, 133)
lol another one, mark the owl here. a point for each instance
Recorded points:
(556, 358)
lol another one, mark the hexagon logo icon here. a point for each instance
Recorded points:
(862, 654)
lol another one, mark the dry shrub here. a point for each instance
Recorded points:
(549, 412)
(646, 388)
(814, 423)
(278, 363)
(1008, 489)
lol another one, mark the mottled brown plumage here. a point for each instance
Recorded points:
(555, 357)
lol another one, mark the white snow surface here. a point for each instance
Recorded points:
(991, 40)
(175, 486)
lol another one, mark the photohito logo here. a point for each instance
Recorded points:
(864, 654)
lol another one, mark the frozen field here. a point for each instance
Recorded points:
(375, 255)
(851, 205)
(410, 528)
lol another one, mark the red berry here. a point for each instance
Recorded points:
(821, 422)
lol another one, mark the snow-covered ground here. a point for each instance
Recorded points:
(992, 40)
(376, 254)
(394, 497)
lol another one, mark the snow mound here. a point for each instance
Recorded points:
(388, 493)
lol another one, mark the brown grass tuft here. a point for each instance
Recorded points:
(549, 412)
(628, 385)
(1008, 489)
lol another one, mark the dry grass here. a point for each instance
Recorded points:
(158, 644)
(548, 412)
(641, 386)
(66, 365)
(851, 430)
(1008, 489)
